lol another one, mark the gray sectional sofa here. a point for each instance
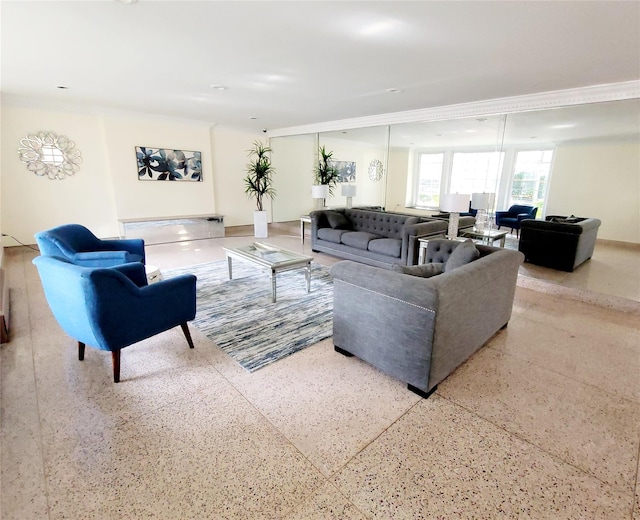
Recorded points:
(372, 237)
(420, 323)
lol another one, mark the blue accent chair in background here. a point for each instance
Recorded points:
(112, 308)
(514, 215)
(81, 247)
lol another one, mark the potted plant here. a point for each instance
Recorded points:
(325, 176)
(258, 184)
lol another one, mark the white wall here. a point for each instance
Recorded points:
(31, 203)
(599, 180)
(399, 175)
(369, 193)
(134, 198)
(230, 159)
(107, 187)
(293, 159)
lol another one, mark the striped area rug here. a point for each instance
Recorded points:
(239, 317)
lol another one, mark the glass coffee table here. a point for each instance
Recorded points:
(271, 258)
(488, 237)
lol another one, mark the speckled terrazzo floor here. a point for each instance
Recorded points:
(542, 423)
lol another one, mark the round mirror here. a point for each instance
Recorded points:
(47, 153)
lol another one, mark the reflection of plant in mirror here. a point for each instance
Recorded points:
(47, 153)
(259, 174)
(325, 173)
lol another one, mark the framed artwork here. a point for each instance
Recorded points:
(346, 170)
(158, 164)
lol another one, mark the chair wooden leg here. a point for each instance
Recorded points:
(187, 334)
(80, 350)
(115, 356)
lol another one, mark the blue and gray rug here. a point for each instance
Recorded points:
(239, 317)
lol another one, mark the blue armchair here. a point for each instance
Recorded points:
(81, 247)
(514, 215)
(112, 308)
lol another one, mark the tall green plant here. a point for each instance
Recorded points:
(324, 173)
(260, 172)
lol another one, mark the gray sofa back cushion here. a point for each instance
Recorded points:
(389, 225)
(337, 220)
(464, 253)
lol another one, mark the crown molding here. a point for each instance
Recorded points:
(507, 105)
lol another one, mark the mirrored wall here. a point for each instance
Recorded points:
(582, 160)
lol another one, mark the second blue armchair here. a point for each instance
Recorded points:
(514, 215)
(81, 247)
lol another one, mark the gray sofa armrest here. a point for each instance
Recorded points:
(474, 302)
(385, 318)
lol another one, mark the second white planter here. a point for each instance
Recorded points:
(260, 226)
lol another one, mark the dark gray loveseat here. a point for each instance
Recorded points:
(417, 329)
(373, 237)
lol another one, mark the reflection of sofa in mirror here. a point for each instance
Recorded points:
(419, 329)
(513, 217)
(558, 242)
(374, 237)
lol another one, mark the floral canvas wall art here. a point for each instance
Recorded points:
(346, 170)
(158, 164)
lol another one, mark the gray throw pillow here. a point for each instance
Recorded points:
(462, 255)
(337, 220)
(424, 270)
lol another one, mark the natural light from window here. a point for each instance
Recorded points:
(531, 175)
(475, 172)
(429, 179)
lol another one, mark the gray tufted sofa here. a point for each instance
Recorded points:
(373, 237)
(420, 329)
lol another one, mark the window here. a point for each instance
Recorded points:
(531, 176)
(427, 193)
(475, 172)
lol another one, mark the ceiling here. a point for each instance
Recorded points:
(287, 64)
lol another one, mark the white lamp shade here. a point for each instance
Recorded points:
(320, 191)
(455, 202)
(482, 200)
(348, 190)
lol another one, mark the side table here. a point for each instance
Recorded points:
(304, 219)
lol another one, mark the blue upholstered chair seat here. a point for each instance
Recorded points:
(112, 308)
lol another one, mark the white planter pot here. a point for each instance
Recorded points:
(260, 227)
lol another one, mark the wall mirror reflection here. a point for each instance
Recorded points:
(582, 160)
(354, 151)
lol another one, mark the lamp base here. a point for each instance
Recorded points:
(349, 201)
(454, 220)
(482, 221)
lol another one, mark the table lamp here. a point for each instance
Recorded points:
(320, 191)
(349, 191)
(482, 202)
(454, 204)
